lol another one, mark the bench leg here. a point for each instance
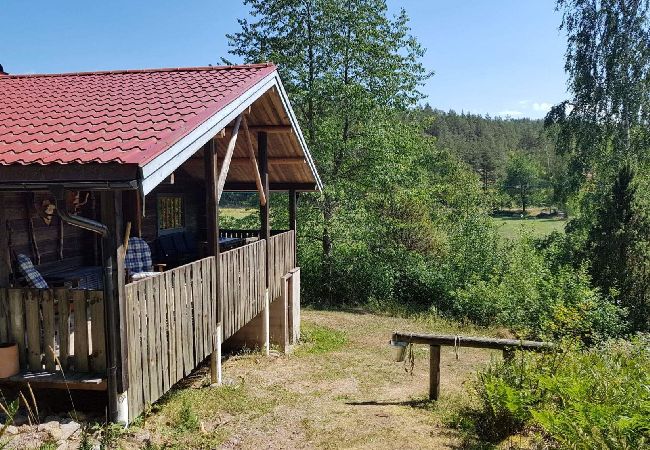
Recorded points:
(434, 372)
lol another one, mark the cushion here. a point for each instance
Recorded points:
(33, 276)
(138, 256)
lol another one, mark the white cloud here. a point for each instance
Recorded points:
(542, 106)
(510, 113)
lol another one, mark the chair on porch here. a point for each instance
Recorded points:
(138, 260)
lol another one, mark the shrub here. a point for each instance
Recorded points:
(582, 399)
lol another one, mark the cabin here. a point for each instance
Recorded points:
(115, 276)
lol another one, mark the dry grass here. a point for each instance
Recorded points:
(338, 391)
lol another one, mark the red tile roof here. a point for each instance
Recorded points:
(128, 117)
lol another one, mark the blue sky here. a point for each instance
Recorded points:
(500, 57)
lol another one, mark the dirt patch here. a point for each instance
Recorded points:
(347, 394)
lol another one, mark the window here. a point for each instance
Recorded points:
(170, 213)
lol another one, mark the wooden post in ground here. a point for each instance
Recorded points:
(434, 372)
(212, 218)
(114, 307)
(265, 231)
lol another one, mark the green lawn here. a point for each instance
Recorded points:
(511, 228)
(236, 213)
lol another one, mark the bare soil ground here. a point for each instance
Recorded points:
(343, 392)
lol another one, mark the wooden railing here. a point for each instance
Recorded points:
(171, 319)
(281, 260)
(242, 284)
(55, 329)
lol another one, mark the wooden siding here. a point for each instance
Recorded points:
(55, 329)
(48, 244)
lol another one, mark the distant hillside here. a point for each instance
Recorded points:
(485, 142)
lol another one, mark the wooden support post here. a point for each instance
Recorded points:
(434, 372)
(114, 298)
(293, 223)
(265, 231)
(262, 147)
(212, 217)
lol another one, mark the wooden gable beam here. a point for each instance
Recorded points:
(253, 160)
(226, 161)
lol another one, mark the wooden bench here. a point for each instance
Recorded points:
(435, 341)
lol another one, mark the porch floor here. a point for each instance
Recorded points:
(56, 380)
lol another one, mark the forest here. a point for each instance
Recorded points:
(405, 223)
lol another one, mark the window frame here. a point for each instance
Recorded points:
(159, 197)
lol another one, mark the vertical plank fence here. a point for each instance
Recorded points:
(281, 261)
(242, 285)
(170, 322)
(55, 329)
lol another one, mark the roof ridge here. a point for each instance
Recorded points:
(131, 71)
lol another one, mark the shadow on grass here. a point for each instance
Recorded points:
(415, 403)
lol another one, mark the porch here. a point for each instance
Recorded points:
(171, 321)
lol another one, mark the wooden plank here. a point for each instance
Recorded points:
(171, 329)
(188, 344)
(63, 308)
(207, 337)
(154, 386)
(178, 324)
(33, 326)
(225, 166)
(253, 161)
(135, 352)
(16, 310)
(143, 311)
(4, 313)
(470, 341)
(56, 380)
(97, 331)
(163, 302)
(132, 391)
(79, 300)
(49, 326)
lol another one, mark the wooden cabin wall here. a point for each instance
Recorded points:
(193, 193)
(17, 232)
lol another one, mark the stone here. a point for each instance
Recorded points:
(53, 428)
(11, 429)
(68, 429)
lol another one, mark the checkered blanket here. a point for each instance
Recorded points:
(138, 257)
(33, 276)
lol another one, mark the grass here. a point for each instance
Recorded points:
(338, 389)
(511, 228)
(236, 213)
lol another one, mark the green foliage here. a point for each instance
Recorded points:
(580, 399)
(187, 420)
(9, 410)
(320, 339)
(618, 248)
(521, 179)
(535, 297)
